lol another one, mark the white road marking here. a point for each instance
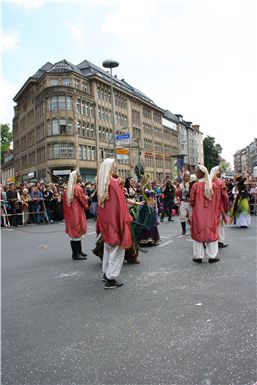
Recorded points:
(164, 244)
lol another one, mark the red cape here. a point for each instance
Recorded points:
(114, 220)
(204, 222)
(74, 215)
(223, 200)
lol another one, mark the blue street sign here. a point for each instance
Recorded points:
(122, 137)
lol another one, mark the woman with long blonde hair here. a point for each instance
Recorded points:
(74, 205)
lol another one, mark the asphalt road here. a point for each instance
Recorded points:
(173, 321)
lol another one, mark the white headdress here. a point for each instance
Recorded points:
(214, 171)
(207, 180)
(70, 187)
(103, 179)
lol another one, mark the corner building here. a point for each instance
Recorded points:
(63, 121)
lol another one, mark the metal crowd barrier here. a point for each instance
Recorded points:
(254, 204)
(6, 216)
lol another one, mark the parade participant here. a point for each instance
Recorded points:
(222, 204)
(93, 198)
(168, 195)
(113, 222)
(184, 204)
(240, 210)
(74, 205)
(204, 226)
(132, 197)
(147, 233)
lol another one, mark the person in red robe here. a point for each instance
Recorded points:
(204, 225)
(74, 205)
(113, 222)
(222, 204)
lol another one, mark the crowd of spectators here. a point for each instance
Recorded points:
(38, 203)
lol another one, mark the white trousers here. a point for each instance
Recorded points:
(221, 230)
(185, 211)
(211, 249)
(112, 260)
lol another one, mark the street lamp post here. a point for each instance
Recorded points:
(112, 64)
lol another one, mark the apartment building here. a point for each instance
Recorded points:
(63, 121)
(246, 159)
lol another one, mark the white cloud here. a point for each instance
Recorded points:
(128, 21)
(27, 4)
(77, 33)
(9, 40)
(9, 90)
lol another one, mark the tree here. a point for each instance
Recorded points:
(224, 166)
(6, 139)
(211, 151)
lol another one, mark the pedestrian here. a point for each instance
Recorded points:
(168, 195)
(25, 200)
(222, 204)
(74, 205)
(184, 201)
(204, 226)
(240, 210)
(13, 198)
(113, 222)
(36, 204)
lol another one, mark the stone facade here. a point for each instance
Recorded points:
(63, 121)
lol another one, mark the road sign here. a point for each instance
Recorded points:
(122, 140)
(122, 156)
(122, 153)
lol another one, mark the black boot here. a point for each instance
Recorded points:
(80, 251)
(75, 250)
(183, 225)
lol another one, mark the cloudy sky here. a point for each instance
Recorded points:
(193, 57)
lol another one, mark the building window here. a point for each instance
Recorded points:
(54, 103)
(91, 109)
(66, 82)
(78, 106)
(88, 152)
(56, 150)
(69, 103)
(84, 87)
(93, 153)
(71, 151)
(84, 152)
(55, 127)
(53, 82)
(60, 127)
(59, 102)
(80, 151)
(60, 151)
(77, 84)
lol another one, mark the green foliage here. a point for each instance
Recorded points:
(6, 139)
(224, 166)
(211, 151)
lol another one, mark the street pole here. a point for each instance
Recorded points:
(113, 118)
(112, 64)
